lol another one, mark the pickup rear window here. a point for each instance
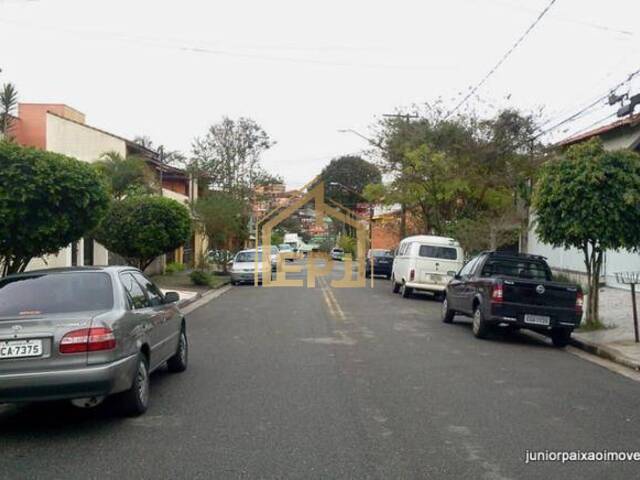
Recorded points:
(516, 267)
(55, 293)
(431, 251)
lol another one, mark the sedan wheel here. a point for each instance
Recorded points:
(135, 401)
(178, 363)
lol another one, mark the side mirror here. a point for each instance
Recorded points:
(171, 297)
(452, 273)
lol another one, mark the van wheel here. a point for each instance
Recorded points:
(405, 291)
(560, 337)
(395, 287)
(479, 326)
(447, 314)
(135, 401)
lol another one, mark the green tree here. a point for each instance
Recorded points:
(224, 218)
(47, 201)
(141, 228)
(126, 176)
(352, 172)
(588, 198)
(8, 104)
(229, 155)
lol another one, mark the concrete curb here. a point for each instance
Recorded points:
(604, 352)
(198, 296)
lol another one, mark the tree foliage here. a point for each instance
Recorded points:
(346, 177)
(224, 217)
(141, 228)
(229, 155)
(47, 201)
(8, 104)
(589, 198)
(460, 173)
(126, 176)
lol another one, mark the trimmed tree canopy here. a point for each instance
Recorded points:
(47, 201)
(141, 228)
(590, 195)
(589, 199)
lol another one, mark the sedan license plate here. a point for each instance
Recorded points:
(20, 348)
(537, 319)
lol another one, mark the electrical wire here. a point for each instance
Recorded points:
(502, 60)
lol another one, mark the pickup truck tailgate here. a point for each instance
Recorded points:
(548, 294)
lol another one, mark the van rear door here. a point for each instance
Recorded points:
(434, 261)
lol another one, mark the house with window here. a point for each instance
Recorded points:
(62, 129)
(623, 133)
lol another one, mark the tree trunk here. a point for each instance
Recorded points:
(593, 263)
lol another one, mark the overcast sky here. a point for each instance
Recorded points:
(303, 70)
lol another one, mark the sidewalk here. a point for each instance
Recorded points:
(616, 343)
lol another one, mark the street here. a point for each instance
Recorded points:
(340, 383)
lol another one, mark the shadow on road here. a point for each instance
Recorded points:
(504, 335)
(39, 419)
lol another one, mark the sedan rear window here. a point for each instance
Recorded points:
(431, 251)
(248, 257)
(55, 293)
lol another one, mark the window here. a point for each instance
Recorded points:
(55, 293)
(381, 253)
(517, 267)
(137, 297)
(248, 257)
(153, 293)
(445, 253)
(469, 267)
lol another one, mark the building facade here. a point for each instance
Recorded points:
(63, 129)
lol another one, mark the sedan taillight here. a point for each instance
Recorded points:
(88, 340)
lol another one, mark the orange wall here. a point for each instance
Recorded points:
(175, 185)
(31, 130)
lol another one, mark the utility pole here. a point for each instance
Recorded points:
(161, 160)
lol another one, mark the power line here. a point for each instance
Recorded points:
(502, 60)
(582, 111)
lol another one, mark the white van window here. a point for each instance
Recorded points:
(445, 253)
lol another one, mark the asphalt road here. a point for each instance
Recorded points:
(340, 383)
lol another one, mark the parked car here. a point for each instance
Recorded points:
(243, 267)
(382, 262)
(426, 263)
(83, 333)
(337, 254)
(287, 250)
(275, 251)
(516, 291)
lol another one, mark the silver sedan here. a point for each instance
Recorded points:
(85, 333)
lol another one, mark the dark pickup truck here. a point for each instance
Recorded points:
(515, 291)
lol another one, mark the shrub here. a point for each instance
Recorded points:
(140, 228)
(198, 277)
(47, 201)
(174, 267)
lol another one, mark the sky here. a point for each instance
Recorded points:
(305, 70)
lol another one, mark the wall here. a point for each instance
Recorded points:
(80, 141)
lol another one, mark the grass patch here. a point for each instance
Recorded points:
(593, 326)
(182, 281)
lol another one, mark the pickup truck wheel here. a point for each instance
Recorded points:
(447, 314)
(178, 363)
(405, 291)
(395, 288)
(560, 337)
(479, 326)
(135, 401)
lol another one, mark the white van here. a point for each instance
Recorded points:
(427, 263)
